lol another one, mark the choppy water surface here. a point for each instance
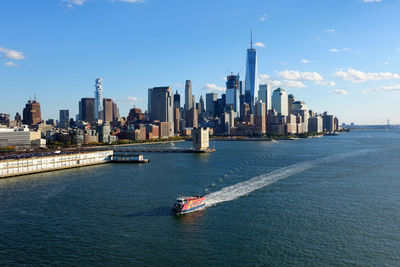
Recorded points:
(322, 201)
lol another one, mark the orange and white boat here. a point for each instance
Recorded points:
(188, 204)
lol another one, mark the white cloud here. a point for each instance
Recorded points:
(129, 100)
(330, 30)
(293, 84)
(370, 1)
(390, 88)
(71, 3)
(210, 87)
(305, 61)
(264, 17)
(357, 76)
(300, 76)
(11, 54)
(295, 79)
(10, 64)
(340, 92)
(336, 50)
(386, 63)
(266, 79)
(178, 85)
(259, 44)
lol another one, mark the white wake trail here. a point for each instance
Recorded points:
(240, 189)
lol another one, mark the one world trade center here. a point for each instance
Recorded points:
(251, 82)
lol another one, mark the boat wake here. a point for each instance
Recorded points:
(241, 189)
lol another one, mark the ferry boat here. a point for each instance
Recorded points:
(189, 204)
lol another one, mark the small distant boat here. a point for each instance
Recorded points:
(188, 204)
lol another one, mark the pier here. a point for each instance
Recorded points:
(162, 150)
(38, 163)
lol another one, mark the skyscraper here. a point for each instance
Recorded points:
(201, 105)
(107, 109)
(161, 103)
(98, 99)
(86, 109)
(115, 112)
(233, 93)
(300, 108)
(291, 100)
(259, 118)
(211, 98)
(251, 81)
(64, 118)
(162, 107)
(188, 95)
(177, 100)
(280, 102)
(149, 93)
(264, 94)
(31, 113)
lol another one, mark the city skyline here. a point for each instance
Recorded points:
(328, 61)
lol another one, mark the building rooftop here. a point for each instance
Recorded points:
(279, 90)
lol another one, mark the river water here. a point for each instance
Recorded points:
(323, 201)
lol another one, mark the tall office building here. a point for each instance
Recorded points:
(241, 88)
(280, 102)
(328, 122)
(211, 98)
(86, 109)
(162, 108)
(149, 93)
(177, 100)
(161, 104)
(115, 112)
(291, 100)
(31, 113)
(251, 81)
(233, 93)
(300, 108)
(108, 109)
(17, 119)
(259, 118)
(201, 105)
(264, 94)
(64, 118)
(98, 107)
(188, 95)
(315, 124)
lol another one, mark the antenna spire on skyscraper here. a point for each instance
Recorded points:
(251, 38)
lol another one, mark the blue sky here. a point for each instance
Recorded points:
(340, 56)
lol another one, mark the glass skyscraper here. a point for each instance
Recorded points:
(232, 93)
(251, 81)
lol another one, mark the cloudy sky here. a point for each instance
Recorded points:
(340, 56)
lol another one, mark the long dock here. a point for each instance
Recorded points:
(37, 164)
(162, 150)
